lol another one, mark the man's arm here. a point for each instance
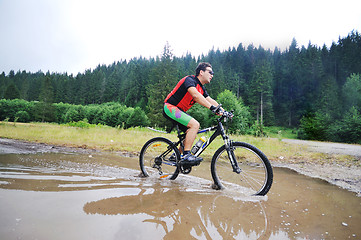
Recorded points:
(212, 101)
(199, 98)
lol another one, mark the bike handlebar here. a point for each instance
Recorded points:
(224, 114)
(228, 114)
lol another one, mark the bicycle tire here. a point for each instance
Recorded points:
(159, 150)
(256, 174)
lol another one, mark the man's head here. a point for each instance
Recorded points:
(204, 72)
(202, 66)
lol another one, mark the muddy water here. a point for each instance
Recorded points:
(80, 196)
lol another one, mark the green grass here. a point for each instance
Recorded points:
(105, 138)
(281, 132)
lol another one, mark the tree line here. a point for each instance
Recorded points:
(315, 89)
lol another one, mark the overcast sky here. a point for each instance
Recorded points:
(75, 35)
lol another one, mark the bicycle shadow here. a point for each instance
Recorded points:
(189, 214)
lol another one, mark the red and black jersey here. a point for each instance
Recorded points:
(180, 97)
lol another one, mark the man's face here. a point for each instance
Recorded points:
(207, 75)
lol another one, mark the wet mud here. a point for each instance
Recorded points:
(92, 195)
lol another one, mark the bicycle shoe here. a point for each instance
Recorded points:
(191, 160)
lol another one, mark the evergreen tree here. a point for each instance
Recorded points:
(350, 126)
(329, 100)
(11, 74)
(11, 92)
(352, 92)
(3, 84)
(280, 90)
(261, 93)
(164, 79)
(136, 80)
(47, 91)
(312, 78)
(44, 110)
(292, 74)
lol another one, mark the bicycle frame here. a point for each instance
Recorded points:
(219, 130)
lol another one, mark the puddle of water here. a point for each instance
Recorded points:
(77, 196)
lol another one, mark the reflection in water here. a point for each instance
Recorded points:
(102, 197)
(189, 214)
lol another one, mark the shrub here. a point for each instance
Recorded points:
(60, 111)
(22, 116)
(8, 108)
(80, 124)
(72, 115)
(137, 118)
(316, 126)
(241, 120)
(350, 127)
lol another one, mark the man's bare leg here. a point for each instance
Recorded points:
(193, 127)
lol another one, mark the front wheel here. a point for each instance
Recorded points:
(255, 172)
(158, 159)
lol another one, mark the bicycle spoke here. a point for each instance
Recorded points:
(252, 182)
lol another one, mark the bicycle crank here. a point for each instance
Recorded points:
(185, 169)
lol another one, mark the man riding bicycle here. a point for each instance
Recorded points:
(188, 91)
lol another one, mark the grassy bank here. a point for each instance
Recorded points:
(131, 140)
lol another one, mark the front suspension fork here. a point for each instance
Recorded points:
(232, 157)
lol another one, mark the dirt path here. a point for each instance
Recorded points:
(8, 146)
(328, 147)
(347, 177)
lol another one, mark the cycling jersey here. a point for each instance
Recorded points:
(180, 97)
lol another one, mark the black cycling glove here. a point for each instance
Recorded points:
(215, 110)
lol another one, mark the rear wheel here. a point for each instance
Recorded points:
(256, 175)
(158, 159)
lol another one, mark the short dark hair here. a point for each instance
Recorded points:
(202, 66)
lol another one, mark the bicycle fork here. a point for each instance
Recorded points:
(231, 156)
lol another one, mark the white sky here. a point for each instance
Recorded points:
(75, 35)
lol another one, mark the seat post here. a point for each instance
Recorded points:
(178, 130)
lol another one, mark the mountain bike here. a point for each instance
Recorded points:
(233, 164)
